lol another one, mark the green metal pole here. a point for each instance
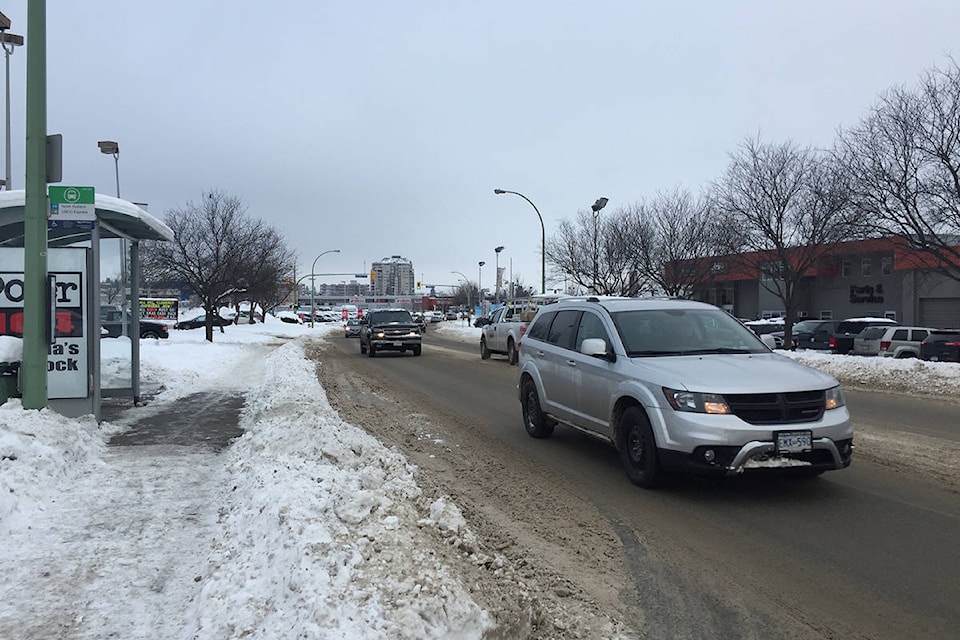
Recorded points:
(34, 366)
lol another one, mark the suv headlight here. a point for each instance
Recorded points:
(696, 402)
(834, 399)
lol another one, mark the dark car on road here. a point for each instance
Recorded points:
(841, 341)
(351, 328)
(389, 330)
(111, 323)
(200, 321)
(942, 345)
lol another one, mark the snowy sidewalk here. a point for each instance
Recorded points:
(304, 527)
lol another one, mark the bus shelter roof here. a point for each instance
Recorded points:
(115, 218)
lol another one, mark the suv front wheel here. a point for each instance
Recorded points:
(536, 424)
(638, 449)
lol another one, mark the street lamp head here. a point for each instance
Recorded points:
(11, 39)
(599, 204)
(498, 249)
(499, 191)
(481, 263)
(109, 147)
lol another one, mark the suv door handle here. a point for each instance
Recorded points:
(571, 363)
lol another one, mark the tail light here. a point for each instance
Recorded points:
(833, 342)
(951, 344)
(884, 345)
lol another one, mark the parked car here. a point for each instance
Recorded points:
(434, 316)
(678, 386)
(842, 339)
(111, 325)
(810, 334)
(773, 326)
(351, 328)
(942, 345)
(890, 342)
(244, 317)
(450, 315)
(200, 321)
(389, 330)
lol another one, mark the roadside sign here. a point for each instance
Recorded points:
(71, 207)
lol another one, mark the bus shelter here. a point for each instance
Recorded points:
(73, 262)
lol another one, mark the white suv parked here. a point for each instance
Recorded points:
(676, 386)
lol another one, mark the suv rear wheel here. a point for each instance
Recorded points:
(638, 449)
(536, 424)
(484, 352)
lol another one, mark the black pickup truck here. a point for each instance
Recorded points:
(389, 330)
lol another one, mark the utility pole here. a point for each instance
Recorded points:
(34, 372)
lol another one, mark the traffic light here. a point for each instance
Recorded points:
(418, 284)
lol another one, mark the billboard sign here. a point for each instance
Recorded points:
(67, 361)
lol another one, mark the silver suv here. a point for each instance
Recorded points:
(678, 386)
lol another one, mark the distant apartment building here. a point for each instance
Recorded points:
(344, 289)
(393, 276)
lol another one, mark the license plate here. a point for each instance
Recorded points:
(794, 441)
(398, 344)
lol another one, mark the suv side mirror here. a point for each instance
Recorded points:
(596, 347)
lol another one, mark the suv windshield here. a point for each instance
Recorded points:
(873, 333)
(387, 317)
(808, 326)
(677, 332)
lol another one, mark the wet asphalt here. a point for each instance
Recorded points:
(204, 420)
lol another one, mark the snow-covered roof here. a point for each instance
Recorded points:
(118, 218)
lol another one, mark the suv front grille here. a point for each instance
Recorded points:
(777, 408)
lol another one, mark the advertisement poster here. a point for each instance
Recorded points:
(159, 309)
(67, 356)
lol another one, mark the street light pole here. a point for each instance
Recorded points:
(496, 295)
(480, 285)
(10, 41)
(596, 206)
(112, 148)
(543, 238)
(466, 286)
(313, 271)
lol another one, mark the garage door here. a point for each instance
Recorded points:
(940, 312)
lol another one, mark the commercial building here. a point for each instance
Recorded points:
(877, 277)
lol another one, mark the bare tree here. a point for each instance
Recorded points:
(671, 237)
(268, 263)
(466, 294)
(595, 254)
(111, 290)
(904, 162)
(785, 208)
(207, 252)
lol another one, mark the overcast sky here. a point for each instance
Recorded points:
(382, 128)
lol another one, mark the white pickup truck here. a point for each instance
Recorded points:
(507, 326)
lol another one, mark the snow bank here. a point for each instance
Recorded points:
(320, 527)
